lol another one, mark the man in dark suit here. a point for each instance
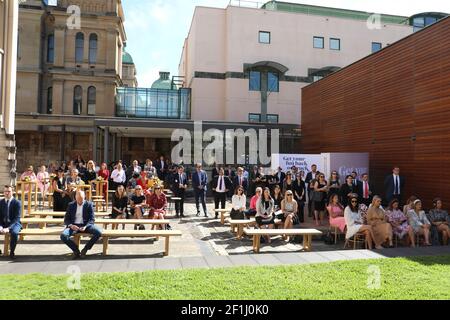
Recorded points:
(394, 186)
(161, 168)
(356, 182)
(179, 185)
(309, 178)
(10, 213)
(281, 176)
(199, 183)
(240, 180)
(365, 190)
(80, 218)
(221, 185)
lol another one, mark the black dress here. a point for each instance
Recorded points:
(334, 190)
(119, 203)
(60, 203)
(320, 205)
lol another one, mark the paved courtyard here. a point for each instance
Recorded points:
(204, 243)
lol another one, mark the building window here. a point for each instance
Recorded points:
(255, 81)
(92, 100)
(272, 118)
(77, 100)
(93, 48)
(376, 46)
(335, 44)
(254, 118)
(273, 82)
(264, 37)
(50, 100)
(79, 47)
(319, 42)
(51, 48)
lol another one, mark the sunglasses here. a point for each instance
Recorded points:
(354, 201)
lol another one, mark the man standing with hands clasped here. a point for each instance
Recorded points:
(80, 219)
(10, 212)
(199, 183)
(179, 189)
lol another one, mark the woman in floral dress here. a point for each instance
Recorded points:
(399, 222)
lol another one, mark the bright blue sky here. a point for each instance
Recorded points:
(156, 29)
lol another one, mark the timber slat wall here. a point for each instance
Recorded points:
(394, 104)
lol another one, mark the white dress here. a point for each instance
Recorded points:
(353, 221)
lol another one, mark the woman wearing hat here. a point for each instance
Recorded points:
(419, 222)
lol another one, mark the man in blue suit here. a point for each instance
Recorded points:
(179, 185)
(394, 185)
(199, 183)
(240, 180)
(10, 213)
(80, 219)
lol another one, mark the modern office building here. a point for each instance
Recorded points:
(8, 53)
(247, 65)
(394, 104)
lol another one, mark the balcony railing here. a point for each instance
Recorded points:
(153, 103)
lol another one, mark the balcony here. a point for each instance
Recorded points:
(153, 103)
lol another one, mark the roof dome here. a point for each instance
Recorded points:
(163, 82)
(127, 58)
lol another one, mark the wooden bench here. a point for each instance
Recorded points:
(105, 222)
(60, 214)
(306, 233)
(240, 224)
(106, 235)
(224, 213)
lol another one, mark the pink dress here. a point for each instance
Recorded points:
(43, 182)
(32, 178)
(339, 221)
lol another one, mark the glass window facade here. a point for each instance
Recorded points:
(264, 37)
(153, 103)
(335, 44)
(376, 46)
(256, 118)
(318, 42)
(255, 81)
(273, 82)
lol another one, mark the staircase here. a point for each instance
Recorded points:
(8, 161)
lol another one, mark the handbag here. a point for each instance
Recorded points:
(237, 215)
(328, 239)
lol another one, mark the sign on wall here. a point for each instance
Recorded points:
(301, 161)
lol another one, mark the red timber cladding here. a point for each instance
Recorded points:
(394, 104)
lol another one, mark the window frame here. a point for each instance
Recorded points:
(76, 100)
(93, 50)
(91, 103)
(49, 100)
(250, 80)
(339, 43)
(79, 39)
(314, 42)
(376, 43)
(51, 48)
(264, 32)
(268, 81)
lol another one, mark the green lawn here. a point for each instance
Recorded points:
(415, 278)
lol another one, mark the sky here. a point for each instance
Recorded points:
(156, 29)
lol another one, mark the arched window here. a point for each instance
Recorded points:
(77, 100)
(93, 48)
(50, 100)
(92, 100)
(79, 47)
(51, 48)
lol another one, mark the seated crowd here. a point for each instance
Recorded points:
(274, 199)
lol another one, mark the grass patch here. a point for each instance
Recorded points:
(401, 278)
